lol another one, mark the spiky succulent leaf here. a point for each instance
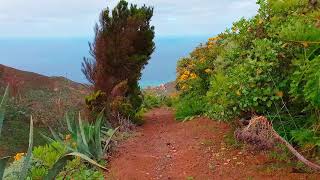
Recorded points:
(2, 108)
(3, 163)
(27, 160)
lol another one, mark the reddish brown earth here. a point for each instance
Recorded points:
(166, 149)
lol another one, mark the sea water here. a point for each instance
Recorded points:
(63, 56)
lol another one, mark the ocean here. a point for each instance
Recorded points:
(63, 56)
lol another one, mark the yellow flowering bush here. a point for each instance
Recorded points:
(208, 71)
(267, 65)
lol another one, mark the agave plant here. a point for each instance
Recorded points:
(27, 160)
(2, 107)
(3, 161)
(88, 141)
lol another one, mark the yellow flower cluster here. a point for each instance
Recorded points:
(202, 60)
(184, 87)
(193, 76)
(214, 38)
(183, 77)
(187, 75)
(212, 41)
(18, 156)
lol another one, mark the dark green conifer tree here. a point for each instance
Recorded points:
(122, 46)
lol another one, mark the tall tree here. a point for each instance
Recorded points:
(122, 46)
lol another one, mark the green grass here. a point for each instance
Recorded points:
(189, 178)
(15, 137)
(43, 105)
(230, 140)
(207, 142)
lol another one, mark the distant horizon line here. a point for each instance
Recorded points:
(91, 37)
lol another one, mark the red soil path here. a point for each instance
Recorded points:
(166, 149)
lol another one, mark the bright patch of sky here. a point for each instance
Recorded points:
(76, 18)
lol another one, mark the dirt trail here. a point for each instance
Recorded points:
(166, 149)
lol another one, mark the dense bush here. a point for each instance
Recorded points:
(266, 65)
(189, 106)
(69, 156)
(44, 158)
(153, 100)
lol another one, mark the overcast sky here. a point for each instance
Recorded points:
(75, 18)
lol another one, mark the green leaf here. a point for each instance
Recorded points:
(86, 158)
(312, 87)
(61, 163)
(27, 160)
(3, 163)
(55, 135)
(5, 97)
(97, 136)
(269, 103)
(109, 139)
(57, 167)
(70, 124)
(2, 109)
(1, 119)
(82, 133)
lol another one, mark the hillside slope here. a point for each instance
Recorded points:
(28, 80)
(47, 99)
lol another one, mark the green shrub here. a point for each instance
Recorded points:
(95, 101)
(138, 120)
(189, 106)
(266, 65)
(20, 168)
(49, 154)
(21, 172)
(50, 161)
(45, 157)
(305, 137)
(76, 169)
(152, 100)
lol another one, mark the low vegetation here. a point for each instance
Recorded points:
(153, 100)
(80, 149)
(266, 65)
(76, 155)
(45, 98)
